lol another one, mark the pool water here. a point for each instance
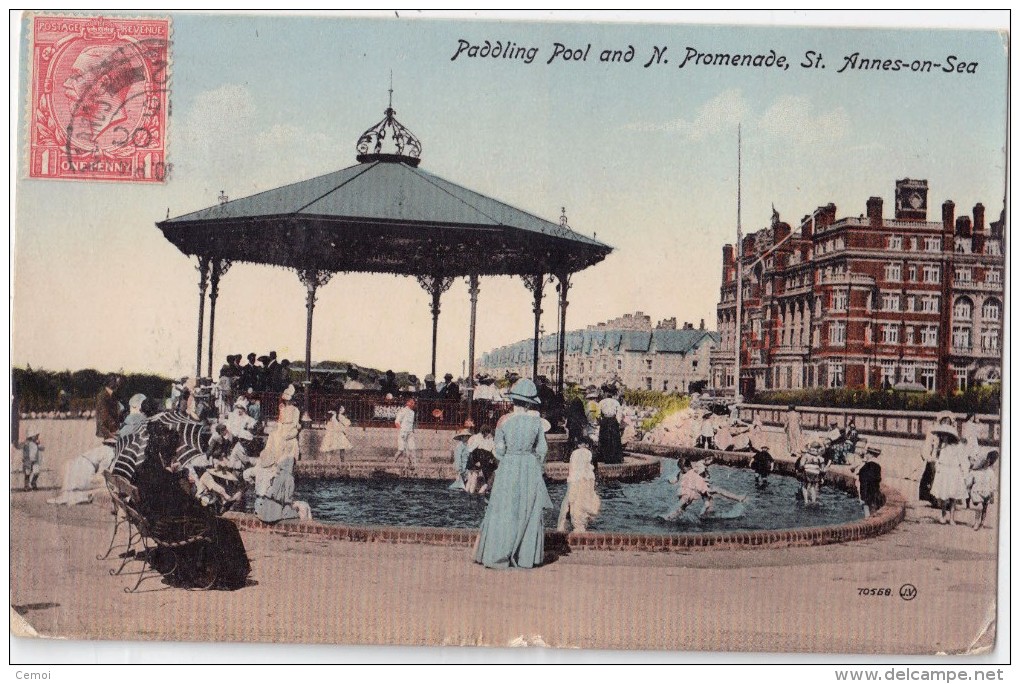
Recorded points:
(626, 507)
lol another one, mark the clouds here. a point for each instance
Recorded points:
(228, 139)
(794, 118)
(790, 119)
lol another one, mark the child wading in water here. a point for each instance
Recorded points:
(694, 487)
(581, 502)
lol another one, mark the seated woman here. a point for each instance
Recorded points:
(163, 496)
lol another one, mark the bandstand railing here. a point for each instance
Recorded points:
(372, 409)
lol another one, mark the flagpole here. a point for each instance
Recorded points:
(739, 328)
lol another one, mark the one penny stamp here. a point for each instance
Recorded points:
(99, 98)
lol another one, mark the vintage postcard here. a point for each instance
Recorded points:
(606, 335)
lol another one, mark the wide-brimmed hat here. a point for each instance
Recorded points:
(699, 467)
(462, 433)
(137, 400)
(524, 390)
(546, 425)
(31, 434)
(815, 448)
(430, 378)
(448, 376)
(947, 430)
(288, 393)
(241, 402)
(873, 451)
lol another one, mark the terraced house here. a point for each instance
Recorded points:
(627, 350)
(866, 301)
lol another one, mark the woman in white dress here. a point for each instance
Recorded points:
(952, 468)
(274, 474)
(335, 441)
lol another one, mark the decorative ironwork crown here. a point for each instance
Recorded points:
(389, 141)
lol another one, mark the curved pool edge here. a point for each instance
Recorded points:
(887, 518)
(635, 468)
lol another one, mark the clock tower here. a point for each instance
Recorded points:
(912, 199)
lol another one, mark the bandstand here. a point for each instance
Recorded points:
(383, 215)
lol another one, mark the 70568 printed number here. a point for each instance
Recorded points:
(874, 591)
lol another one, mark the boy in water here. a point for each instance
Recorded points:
(694, 487)
(762, 464)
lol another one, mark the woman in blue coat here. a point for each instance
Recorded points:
(512, 533)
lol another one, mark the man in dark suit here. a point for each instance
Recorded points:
(108, 410)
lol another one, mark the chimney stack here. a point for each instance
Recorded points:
(875, 211)
(963, 226)
(948, 212)
(979, 218)
(702, 326)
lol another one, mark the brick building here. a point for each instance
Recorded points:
(627, 350)
(866, 301)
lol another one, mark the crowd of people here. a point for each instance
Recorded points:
(210, 455)
(503, 460)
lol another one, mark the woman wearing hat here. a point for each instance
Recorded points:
(512, 533)
(274, 473)
(924, 471)
(952, 468)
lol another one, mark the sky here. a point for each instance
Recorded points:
(644, 158)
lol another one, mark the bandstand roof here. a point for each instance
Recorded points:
(383, 215)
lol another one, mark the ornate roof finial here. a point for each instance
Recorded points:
(563, 217)
(402, 145)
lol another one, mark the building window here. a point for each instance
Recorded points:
(839, 300)
(912, 273)
(963, 309)
(961, 337)
(894, 272)
(932, 273)
(932, 244)
(930, 336)
(992, 310)
(962, 378)
(888, 373)
(907, 372)
(993, 275)
(913, 244)
(928, 375)
(890, 334)
(837, 332)
(911, 303)
(619, 364)
(694, 363)
(648, 365)
(648, 383)
(930, 304)
(993, 248)
(908, 335)
(835, 374)
(890, 301)
(990, 339)
(963, 274)
(665, 385)
(895, 242)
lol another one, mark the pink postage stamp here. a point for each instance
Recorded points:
(99, 98)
